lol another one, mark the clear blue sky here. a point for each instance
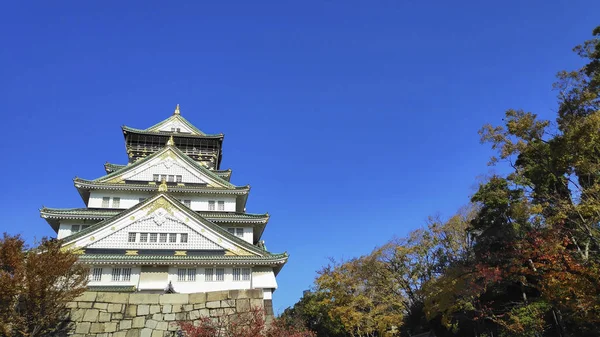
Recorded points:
(353, 121)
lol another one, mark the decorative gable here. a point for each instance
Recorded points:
(170, 163)
(175, 125)
(160, 216)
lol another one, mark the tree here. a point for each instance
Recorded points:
(312, 311)
(243, 324)
(36, 286)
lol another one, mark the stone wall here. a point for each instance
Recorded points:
(108, 314)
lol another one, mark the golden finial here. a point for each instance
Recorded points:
(163, 186)
(171, 141)
(177, 112)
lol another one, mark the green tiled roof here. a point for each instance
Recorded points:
(118, 289)
(180, 154)
(110, 168)
(105, 213)
(281, 258)
(93, 184)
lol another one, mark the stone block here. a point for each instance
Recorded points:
(125, 324)
(71, 305)
(140, 298)
(194, 315)
(229, 311)
(217, 295)
(177, 308)
(83, 327)
(242, 305)
(173, 326)
(139, 322)
(157, 317)
(117, 315)
(169, 317)
(204, 312)
(217, 312)
(200, 306)
(102, 335)
(88, 296)
(255, 293)
(162, 326)
(110, 327)
(84, 305)
(256, 303)
(101, 306)
(91, 315)
(269, 307)
(213, 304)
(131, 310)
(97, 328)
(188, 307)
(181, 316)
(157, 333)
(227, 303)
(104, 317)
(120, 298)
(133, 333)
(114, 307)
(166, 309)
(146, 332)
(143, 309)
(120, 334)
(154, 308)
(235, 294)
(197, 298)
(77, 315)
(150, 323)
(174, 299)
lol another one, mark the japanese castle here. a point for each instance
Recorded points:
(169, 220)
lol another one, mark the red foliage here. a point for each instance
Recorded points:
(246, 324)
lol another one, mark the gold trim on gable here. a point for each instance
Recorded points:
(180, 253)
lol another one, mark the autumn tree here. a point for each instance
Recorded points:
(36, 286)
(536, 234)
(312, 311)
(251, 323)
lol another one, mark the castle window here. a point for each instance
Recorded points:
(171, 178)
(188, 274)
(221, 205)
(163, 177)
(116, 202)
(105, 202)
(220, 274)
(239, 232)
(74, 228)
(121, 274)
(211, 205)
(187, 203)
(183, 238)
(155, 177)
(241, 274)
(208, 275)
(172, 237)
(96, 274)
(143, 237)
(131, 237)
(245, 274)
(84, 226)
(178, 178)
(163, 237)
(153, 237)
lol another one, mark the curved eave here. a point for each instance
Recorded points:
(127, 129)
(271, 260)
